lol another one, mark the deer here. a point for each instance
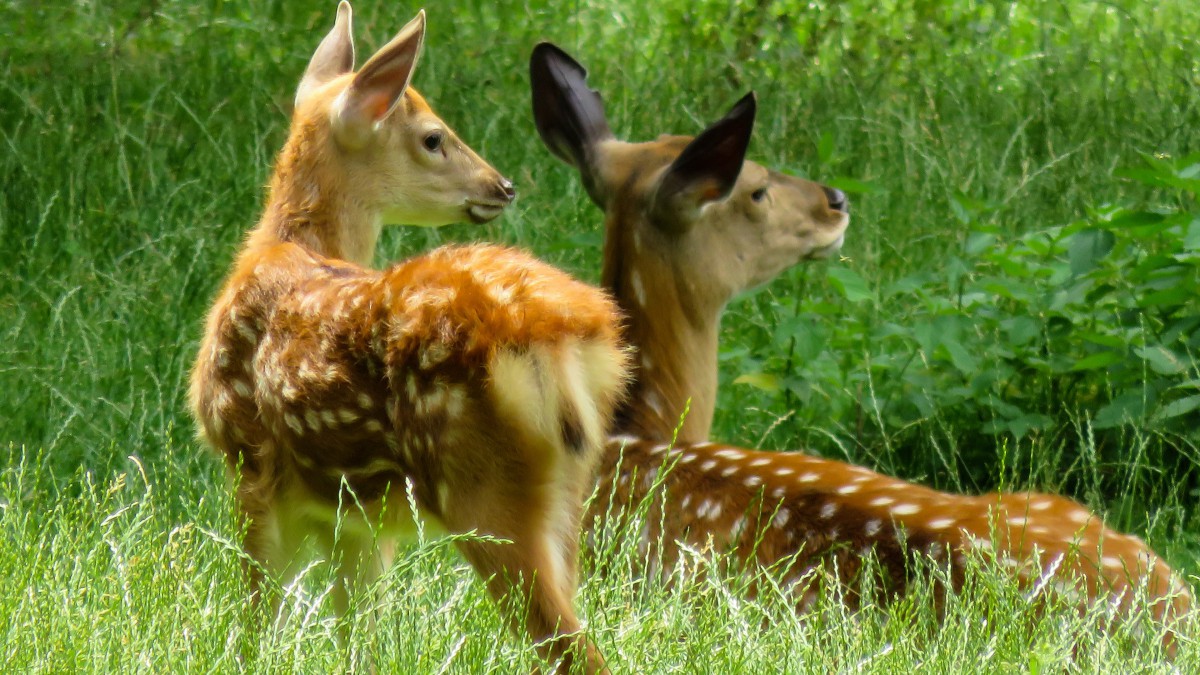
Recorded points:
(468, 388)
(689, 224)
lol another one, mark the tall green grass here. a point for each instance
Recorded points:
(137, 136)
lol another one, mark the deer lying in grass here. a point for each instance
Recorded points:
(474, 378)
(689, 224)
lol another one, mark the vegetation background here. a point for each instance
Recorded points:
(1019, 305)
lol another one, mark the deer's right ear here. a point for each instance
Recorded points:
(334, 56)
(569, 115)
(707, 169)
(378, 86)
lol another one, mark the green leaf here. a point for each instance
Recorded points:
(1098, 360)
(764, 381)
(966, 363)
(1162, 360)
(849, 284)
(1128, 407)
(1176, 408)
(1087, 249)
(978, 242)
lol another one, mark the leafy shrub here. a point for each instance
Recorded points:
(1092, 326)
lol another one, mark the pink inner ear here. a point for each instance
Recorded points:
(708, 191)
(377, 106)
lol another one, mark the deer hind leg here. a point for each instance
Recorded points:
(533, 577)
(532, 566)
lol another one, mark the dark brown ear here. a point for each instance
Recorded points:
(379, 85)
(569, 115)
(707, 169)
(334, 56)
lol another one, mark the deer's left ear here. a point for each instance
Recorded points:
(379, 85)
(334, 56)
(707, 169)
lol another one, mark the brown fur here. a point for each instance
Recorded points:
(333, 390)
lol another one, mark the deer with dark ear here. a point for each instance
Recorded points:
(690, 223)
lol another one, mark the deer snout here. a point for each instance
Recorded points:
(837, 199)
(499, 195)
(506, 188)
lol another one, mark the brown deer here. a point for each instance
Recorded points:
(474, 380)
(689, 224)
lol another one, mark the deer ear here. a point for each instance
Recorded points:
(569, 115)
(379, 85)
(334, 56)
(707, 169)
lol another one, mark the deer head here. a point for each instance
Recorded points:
(368, 150)
(690, 224)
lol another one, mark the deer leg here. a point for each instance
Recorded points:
(540, 564)
(532, 570)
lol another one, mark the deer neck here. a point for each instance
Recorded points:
(308, 205)
(674, 327)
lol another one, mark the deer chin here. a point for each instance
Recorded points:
(827, 251)
(482, 211)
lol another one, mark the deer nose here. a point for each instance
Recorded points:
(506, 187)
(837, 199)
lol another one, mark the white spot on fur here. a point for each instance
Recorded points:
(873, 526)
(940, 523)
(906, 509)
(738, 525)
(715, 511)
(433, 355)
(1079, 516)
(828, 510)
(729, 454)
(781, 518)
(365, 402)
(347, 416)
(242, 388)
(639, 291)
(881, 501)
(709, 465)
(373, 426)
(783, 472)
(761, 461)
(650, 398)
(752, 481)
(456, 400)
(314, 422)
(848, 489)
(809, 477)
(729, 471)
(293, 423)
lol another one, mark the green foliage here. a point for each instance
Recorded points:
(1013, 312)
(1097, 321)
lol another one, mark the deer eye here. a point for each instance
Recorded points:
(759, 194)
(433, 141)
